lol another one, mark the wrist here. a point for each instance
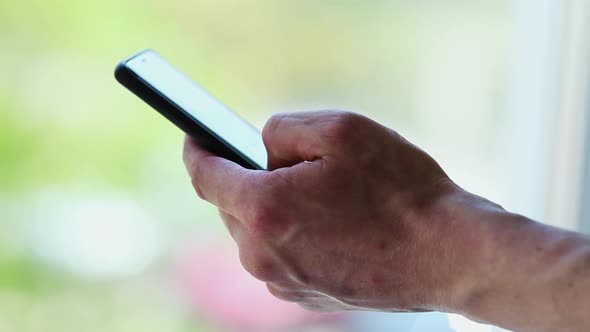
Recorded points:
(471, 226)
(482, 242)
(459, 234)
(489, 242)
(518, 272)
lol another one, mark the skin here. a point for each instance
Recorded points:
(351, 216)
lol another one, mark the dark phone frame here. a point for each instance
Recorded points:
(175, 114)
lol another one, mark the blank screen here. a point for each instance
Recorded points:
(200, 105)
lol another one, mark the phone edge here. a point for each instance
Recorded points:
(177, 116)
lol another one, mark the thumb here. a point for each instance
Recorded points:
(291, 138)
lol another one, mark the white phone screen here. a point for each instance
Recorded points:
(200, 105)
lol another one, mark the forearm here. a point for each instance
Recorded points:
(375, 224)
(532, 277)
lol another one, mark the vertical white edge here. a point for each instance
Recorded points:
(532, 103)
(569, 145)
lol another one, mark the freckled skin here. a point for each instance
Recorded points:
(351, 216)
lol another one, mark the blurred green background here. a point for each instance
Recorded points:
(97, 213)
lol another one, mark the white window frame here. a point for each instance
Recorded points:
(568, 191)
(548, 112)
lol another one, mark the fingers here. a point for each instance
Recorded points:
(233, 225)
(286, 294)
(255, 257)
(215, 179)
(291, 138)
(308, 299)
(255, 198)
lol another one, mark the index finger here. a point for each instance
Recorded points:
(217, 180)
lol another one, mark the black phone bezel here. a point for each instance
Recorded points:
(175, 114)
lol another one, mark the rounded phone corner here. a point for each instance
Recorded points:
(121, 70)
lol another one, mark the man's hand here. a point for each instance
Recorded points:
(347, 217)
(352, 216)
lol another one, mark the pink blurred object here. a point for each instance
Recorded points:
(216, 285)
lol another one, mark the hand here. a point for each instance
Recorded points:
(350, 215)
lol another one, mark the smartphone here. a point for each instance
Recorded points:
(212, 124)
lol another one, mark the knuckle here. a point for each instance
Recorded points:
(272, 125)
(264, 215)
(263, 218)
(342, 126)
(261, 269)
(198, 188)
